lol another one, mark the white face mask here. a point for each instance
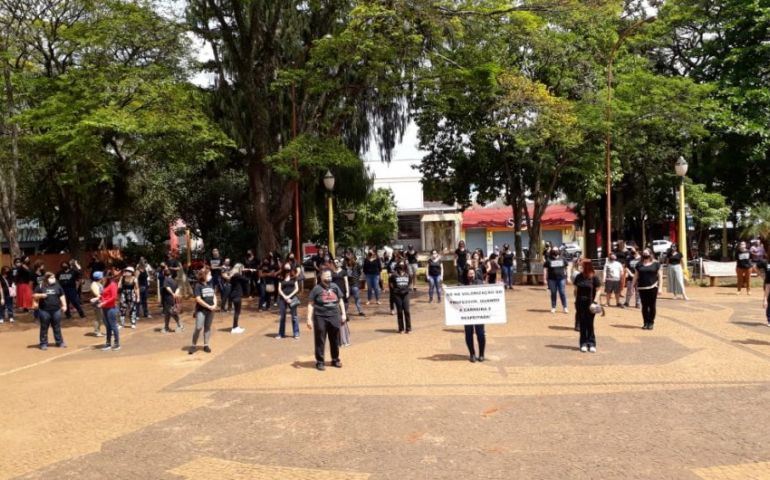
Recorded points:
(51, 281)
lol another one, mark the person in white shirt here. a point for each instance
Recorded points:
(613, 271)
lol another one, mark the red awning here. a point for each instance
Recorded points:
(479, 217)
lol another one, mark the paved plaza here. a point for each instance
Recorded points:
(688, 400)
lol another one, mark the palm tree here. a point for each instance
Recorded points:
(759, 224)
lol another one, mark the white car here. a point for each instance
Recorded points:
(570, 248)
(660, 246)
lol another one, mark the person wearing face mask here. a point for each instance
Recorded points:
(236, 284)
(507, 258)
(108, 302)
(555, 276)
(631, 262)
(325, 314)
(96, 291)
(470, 330)
(586, 293)
(68, 280)
(225, 287)
(288, 288)
(354, 272)
(461, 261)
(743, 268)
(613, 272)
(50, 301)
(647, 281)
(8, 291)
(129, 297)
(340, 278)
(372, 269)
(674, 260)
(251, 268)
(399, 284)
(143, 280)
(412, 264)
(205, 305)
(169, 296)
(23, 279)
(492, 268)
(435, 275)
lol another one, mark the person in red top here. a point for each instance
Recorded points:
(108, 303)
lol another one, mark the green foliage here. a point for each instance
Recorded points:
(759, 222)
(376, 221)
(709, 208)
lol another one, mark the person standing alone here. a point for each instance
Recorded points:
(399, 285)
(555, 276)
(743, 268)
(325, 315)
(647, 281)
(586, 292)
(51, 302)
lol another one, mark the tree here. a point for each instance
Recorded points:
(759, 225)
(341, 66)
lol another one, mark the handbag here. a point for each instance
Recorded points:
(294, 302)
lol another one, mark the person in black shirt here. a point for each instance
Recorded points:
(767, 297)
(50, 301)
(586, 293)
(68, 280)
(237, 284)
(675, 273)
(266, 285)
(372, 269)
(743, 267)
(340, 278)
(288, 288)
(507, 261)
(647, 282)
(143, 279)
(435, 275)
(399, 285)
(23, 279)
(215, 265)
(325, 315)
(555, 276)
(96, 265)
(354, 271)
(631, 262)
(251, 269)
(205, 305)
(480, 331)
(169, 295)
(461, 261)
(412, 264)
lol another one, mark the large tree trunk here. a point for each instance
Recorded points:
(271, 206)
(10, 170)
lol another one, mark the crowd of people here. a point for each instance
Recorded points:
(119, 292)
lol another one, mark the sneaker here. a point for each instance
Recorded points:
(320, 366)
(238, 330)
(43, 347)
(621, 306)
(392, 312)
(61, 345)
(2, 321)
(768, 324)
(120, 327)
(566, 310)
(98, 334)
(133, 325)
(481, 358)
(472, 358)
(279, 337)
(116, 348)
(106, 347)
(11, 320)
(553, 310)
(179, 328)
(361, 314)
(583, 349)
(378, 302)
(207, 349)
(165, 330)
(592, 349)
(337, 363)
(430, 300)
(368, 303)
(191, 350)
(296, 337)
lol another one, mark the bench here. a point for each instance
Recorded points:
(715, 270)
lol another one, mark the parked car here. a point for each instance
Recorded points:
(660, 247)
(571, 248)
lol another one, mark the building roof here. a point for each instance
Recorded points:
(480, 217)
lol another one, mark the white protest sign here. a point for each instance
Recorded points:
(474, 305)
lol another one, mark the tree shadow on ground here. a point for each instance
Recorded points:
(446, 357)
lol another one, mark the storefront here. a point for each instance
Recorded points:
(487, 228)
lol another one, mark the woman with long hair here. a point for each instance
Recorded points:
(435, 275)
(9, 294)
(743, 267)
(399, 284)
(108, 302)
(647, 281)
(461, 261)
(237, 284)
(354, 272)
(340, 278)
(674, 260)
(372, 269)
(586, 293)
(478, 330)
(288, 288)
(169, 296)
(23, 279)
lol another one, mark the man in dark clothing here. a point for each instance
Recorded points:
(325, 315)
(68, 280)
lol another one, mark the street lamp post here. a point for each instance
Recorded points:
(329, 184)
(681, 170)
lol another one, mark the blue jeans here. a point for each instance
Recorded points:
(355, 292)
(558, 285)
(8, 308)
(373, 286)
(508, 276)
(264, 297)
(434, 283)
(283, 307)
(111, 325)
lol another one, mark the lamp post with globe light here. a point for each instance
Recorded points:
(681, 170)
(329, 184)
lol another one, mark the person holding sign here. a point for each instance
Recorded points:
(399, 285)
(586, 293)
(481, 336)
(555, 276)
(325, 315)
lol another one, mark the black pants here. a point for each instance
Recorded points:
(392, 300)
(649, 299)
(226, 300)
(585, 320)
(236, 311)
(50, 319)
(480, 334)
(402, 309)
(73, 300)
(322, 329)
